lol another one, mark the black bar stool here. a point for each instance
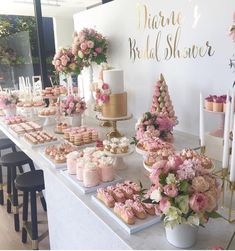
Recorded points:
(11, 161)
(31, 183)
(5, 143)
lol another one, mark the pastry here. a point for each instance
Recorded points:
(124, 212)
(137, 208)
(117, 194)
(105, 197)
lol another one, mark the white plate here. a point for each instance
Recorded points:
(149, 169)
(141, 152)
(130, 229)
(41, 145)
(118, 155)
(86, 190)
(52, 163)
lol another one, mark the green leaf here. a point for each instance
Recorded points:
(148, 115)
(162, 178)
(214, 215)
(184, 186)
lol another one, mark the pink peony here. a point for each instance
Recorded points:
(105, 86)
(71, 105)
(170, 190)
(57, 62)
(199, 184)
(198, 202)
(174, 162)
(164, 204)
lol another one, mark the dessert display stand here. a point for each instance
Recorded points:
(119, 163)
(220, 131)
(114, 133)
(49, 120)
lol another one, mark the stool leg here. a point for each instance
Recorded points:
(1, 188)
(8, 189)
(25, 216)
(34, 220)
(13, 148)
(21, 169)
(31, 165)
(43, 201)
(15, 200)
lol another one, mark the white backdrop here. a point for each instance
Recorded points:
(201, 21)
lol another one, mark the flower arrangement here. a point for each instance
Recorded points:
(8, 100)
(184, 190)
(65, 61)
(102, 94)
(154, 125)
(72, 105)
(89, 46)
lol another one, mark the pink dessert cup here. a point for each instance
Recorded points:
(71, 165)
(91, 177)
(79, 171)
(107, 173)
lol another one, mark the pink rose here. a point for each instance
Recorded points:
(198, 202)
(64, 62)
(105, 86)
(83, 46)
(174, 162)
(212, 203)
(90, 44)
(98, 50)
(57, 62)
(170, 190)
(164, 204)
(199, 184)
(104, 98)
(154, 176)
(71, 105)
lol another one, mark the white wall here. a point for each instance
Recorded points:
(63, 30)
(185, 77)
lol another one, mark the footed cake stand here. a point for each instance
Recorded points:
(114, 133)
(119, 163)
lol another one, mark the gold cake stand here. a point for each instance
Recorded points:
(114, 132)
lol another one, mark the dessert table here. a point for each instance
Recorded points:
(76, 222)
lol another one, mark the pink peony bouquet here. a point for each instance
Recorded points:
(152, 125)
(102, 94)
(8, 100)
(89, 46)
(184, 191)
(65, 61)
(72, 105)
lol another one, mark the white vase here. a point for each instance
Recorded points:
(182, 235)
(75, 120)
(10, 111)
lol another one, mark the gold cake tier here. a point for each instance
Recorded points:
(116, 107)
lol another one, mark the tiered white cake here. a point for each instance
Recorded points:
(116, 107)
